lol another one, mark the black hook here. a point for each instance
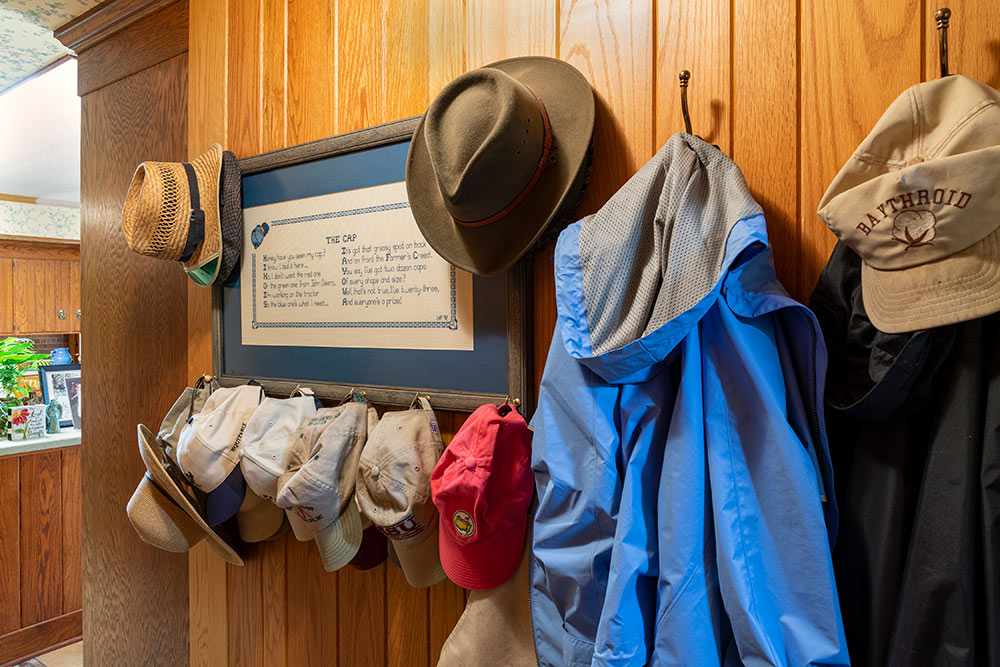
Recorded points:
(685, 77)
(942, 16)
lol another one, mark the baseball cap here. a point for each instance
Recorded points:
(208, 450)
(482, 487)
(318, 484)
(919, 202)
(268, 439)
(394, 489)
(374, 546)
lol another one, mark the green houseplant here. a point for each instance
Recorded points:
(17, 355)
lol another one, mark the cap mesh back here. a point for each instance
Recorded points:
(656, 248)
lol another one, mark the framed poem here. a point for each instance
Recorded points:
(55, 388)
(337, 290)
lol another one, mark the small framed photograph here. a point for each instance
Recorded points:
(54, 388)
(73, 389)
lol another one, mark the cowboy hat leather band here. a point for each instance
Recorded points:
(543, 162)
(196, 229)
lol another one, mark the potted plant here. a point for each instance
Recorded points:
(21, 408)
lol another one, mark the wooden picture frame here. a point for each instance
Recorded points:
(516, 310)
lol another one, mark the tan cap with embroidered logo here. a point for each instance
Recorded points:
(919, 201)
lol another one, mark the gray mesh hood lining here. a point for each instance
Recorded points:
(655, 249)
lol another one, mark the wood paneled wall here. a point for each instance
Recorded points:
(40, 544)
(786, 87)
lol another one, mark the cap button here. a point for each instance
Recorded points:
(376, 472)
(470, 465)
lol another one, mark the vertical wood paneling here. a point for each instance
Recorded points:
(498, 29)
(244, 100)
(693, 35)
(788, 88)
(362, 623)
(766, 123)
(856, 59)
(360, 64)
(312, 607)
(41, 538)
(72, 530)
(611, 42)
(10, 546)
(407, 607)
(312, 68)
(74, 295)
(246, 610)
(274, 74)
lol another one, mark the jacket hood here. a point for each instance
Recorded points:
(633, 278)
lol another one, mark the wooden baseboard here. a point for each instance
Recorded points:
(20, 645)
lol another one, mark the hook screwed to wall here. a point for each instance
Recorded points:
(942, 16)
(685, 77)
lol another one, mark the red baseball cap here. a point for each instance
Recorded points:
(482, 487)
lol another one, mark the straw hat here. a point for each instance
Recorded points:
(172, 212)
(500, 155)
(163, 513)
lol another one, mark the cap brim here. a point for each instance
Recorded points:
(224, 501)
(421, 563)
(373, 550)
(957, 288)
(339, 542)
(301, 529)
(485, 564)
(493, 248)
(148, 451)
(258, 519)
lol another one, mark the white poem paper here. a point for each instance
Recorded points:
(349, 269)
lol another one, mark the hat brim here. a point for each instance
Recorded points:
(484, 564)
(204, 265)
(957, 288)
(161, 478)
(258, 520)
(491, 249)
(159, 521)
(230, 216)
(421, 562)
(339, 542)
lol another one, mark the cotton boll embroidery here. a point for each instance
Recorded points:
(914, 228)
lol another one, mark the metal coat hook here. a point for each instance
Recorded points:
(942, 16)
(685, 77)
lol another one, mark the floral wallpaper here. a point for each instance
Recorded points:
(26, 41)
(56, 222)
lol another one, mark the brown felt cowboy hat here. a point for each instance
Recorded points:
(188, 212)
(501, 153)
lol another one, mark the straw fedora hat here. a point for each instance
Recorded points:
(500, 154)
(163, 513)
(173, 211)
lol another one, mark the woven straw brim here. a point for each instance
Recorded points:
(159, 521)
(157, 211)
(163, 481)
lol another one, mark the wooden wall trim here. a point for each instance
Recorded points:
(24, 247)
(153, 39)
(41, 637)
(103, 21)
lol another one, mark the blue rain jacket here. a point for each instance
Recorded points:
(685, 511)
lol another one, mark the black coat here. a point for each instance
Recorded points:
(914, 428)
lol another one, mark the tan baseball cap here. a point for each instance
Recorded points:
(318, 486)
(919, 202)
(394, 489)
(267, 441)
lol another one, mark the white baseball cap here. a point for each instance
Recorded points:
(394, 489)
(208, 453)
(267, 441)
(317, 489)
